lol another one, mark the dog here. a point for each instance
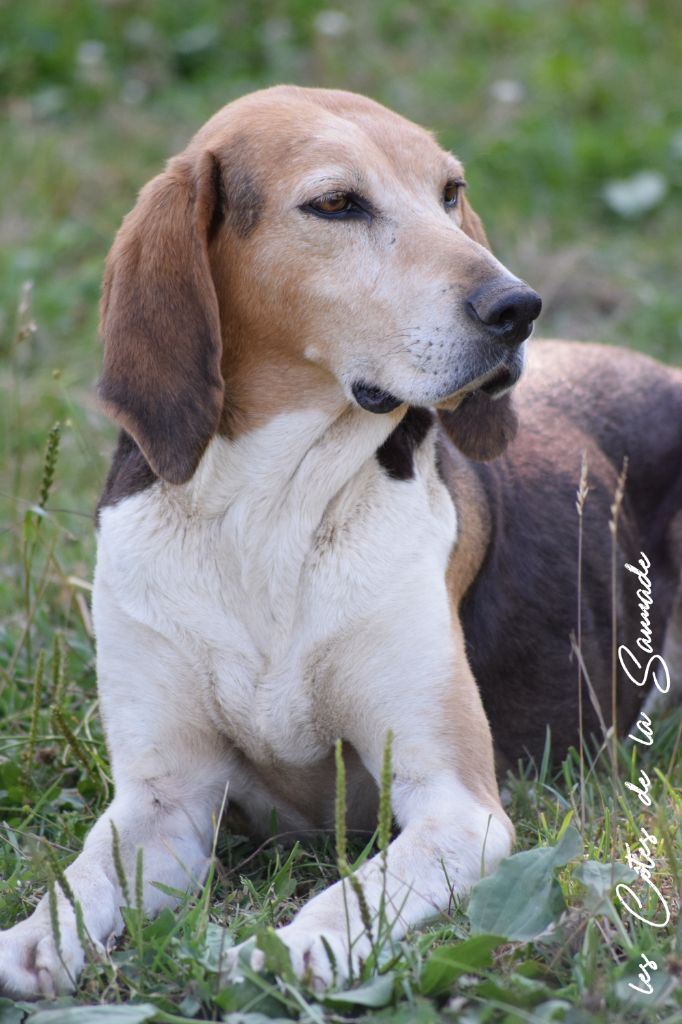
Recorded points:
(309, 347)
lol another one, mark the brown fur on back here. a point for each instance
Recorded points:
(520, 611)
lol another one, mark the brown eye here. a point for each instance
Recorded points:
(333, 202)
(451, 194)
(340, 206)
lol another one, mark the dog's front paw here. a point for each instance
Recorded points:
(319, 958)
(33, 964)
(322, 958)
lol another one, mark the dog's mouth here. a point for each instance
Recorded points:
(494, 383)
(374, 399)
(498, 382)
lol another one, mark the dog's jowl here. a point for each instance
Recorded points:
(309, 348)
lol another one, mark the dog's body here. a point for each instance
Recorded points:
(520, 612)
(292, 563)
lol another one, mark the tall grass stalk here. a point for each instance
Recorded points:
(29, 753)
(56, 873)
(57, 669)
(341, 848)
(32, 590)
(49, 464)
(581, 498)
(118, 863)
(385, 821)
(25, 328)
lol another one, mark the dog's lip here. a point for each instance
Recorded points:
(494, 383)
(373, 398)
(500, 381)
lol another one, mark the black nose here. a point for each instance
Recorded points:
(508, 311)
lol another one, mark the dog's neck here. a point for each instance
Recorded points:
(295, 464)
(264, 498)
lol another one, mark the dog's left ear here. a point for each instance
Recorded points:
(481, 427)
(472, 224)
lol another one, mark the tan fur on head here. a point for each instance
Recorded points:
(226, 301)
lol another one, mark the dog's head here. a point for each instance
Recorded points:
(308, 247)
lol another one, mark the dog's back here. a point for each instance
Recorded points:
(522, 608)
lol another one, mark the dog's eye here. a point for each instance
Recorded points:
(332, 203)
(339, 206)
(451, 194)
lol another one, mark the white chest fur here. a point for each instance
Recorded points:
(283, 541)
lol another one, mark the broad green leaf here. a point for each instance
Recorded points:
(375, 993)
(9, 1012)
(218, 940)
(516, 990)
(446, 963)
(128, 1014)
(242, 996)
(162, 925)
(522, 899)
(663, 994)
(600, 880)
(419, 1011)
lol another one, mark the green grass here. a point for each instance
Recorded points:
(594, 99)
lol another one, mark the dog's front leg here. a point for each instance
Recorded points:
(170, 776)
(444, 798)
(174, 837)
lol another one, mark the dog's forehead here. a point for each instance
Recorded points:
(287, 130)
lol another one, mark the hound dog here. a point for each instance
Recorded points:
(307, 346)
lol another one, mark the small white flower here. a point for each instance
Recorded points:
(331, 23)
(507, 90)
(631, 197)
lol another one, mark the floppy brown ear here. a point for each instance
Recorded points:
(160, 323)
(481, 427)
(472, 224)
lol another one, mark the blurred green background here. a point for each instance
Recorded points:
(566, 114)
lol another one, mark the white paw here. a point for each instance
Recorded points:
(319, 958)
(31, 964)
(322, 958)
